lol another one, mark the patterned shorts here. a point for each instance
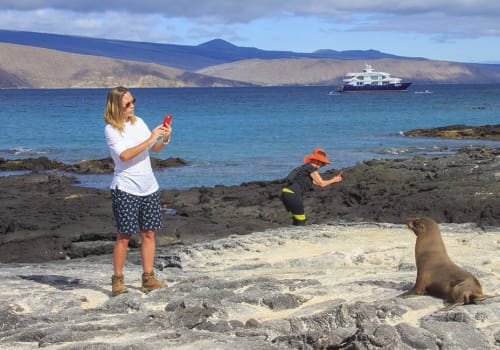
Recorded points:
(136, 213)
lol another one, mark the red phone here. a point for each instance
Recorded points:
(341, 172)
(167, 120)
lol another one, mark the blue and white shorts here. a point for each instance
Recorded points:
(136, 213)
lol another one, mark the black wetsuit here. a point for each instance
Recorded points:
(299, 181)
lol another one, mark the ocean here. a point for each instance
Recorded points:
(235, 135)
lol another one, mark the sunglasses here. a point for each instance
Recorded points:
(128, 104)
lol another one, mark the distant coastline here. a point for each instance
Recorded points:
(27, 64)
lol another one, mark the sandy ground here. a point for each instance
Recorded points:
(351, 262)
(354, 262)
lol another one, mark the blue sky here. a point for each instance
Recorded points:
(451, 30)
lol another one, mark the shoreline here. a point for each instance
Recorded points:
(460, 132)
(105, 165)
(46, 216)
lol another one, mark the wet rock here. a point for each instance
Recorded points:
(92, 166)
(483, 132)
(33, 164)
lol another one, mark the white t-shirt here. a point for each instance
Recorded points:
(135, 176)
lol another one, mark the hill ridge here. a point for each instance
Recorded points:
(177, 56)
(39, 60)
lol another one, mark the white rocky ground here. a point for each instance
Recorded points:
(318, 287)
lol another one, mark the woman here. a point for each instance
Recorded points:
(301, 180)
(134, 189)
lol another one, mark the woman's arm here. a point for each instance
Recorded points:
(152, 140)
(319, 181)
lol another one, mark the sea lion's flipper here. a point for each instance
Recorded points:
(476, 299)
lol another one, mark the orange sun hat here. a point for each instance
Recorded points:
(318, 154)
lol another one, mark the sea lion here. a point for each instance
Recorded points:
(436, 273)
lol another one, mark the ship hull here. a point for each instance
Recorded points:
(401, 87)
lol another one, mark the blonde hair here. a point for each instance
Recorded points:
(113, 112)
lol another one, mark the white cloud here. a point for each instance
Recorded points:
(195, 21)
(227, 11)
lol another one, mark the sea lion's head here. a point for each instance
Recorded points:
(420, 226)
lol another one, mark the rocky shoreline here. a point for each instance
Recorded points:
(106, 165)
(239, 276)
(46, 216)
(483, 132)
(92, 166)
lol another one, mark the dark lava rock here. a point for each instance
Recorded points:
(92, 166)
(483, 132)
(46, 217)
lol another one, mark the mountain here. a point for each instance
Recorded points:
(183, 57)
(38, 60)
(302, 71)
(32, 67)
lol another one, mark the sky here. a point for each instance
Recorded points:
(450, 30)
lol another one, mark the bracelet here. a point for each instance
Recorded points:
(166, 142)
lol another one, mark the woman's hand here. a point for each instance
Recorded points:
(162, 131)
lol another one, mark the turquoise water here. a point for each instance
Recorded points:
(235, 135)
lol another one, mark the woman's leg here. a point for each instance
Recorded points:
(120, 253)
(149, 281)
(150, 220)
(119, 256)
(148, 247)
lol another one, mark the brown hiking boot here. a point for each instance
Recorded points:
(117, 286)
(149, 282)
